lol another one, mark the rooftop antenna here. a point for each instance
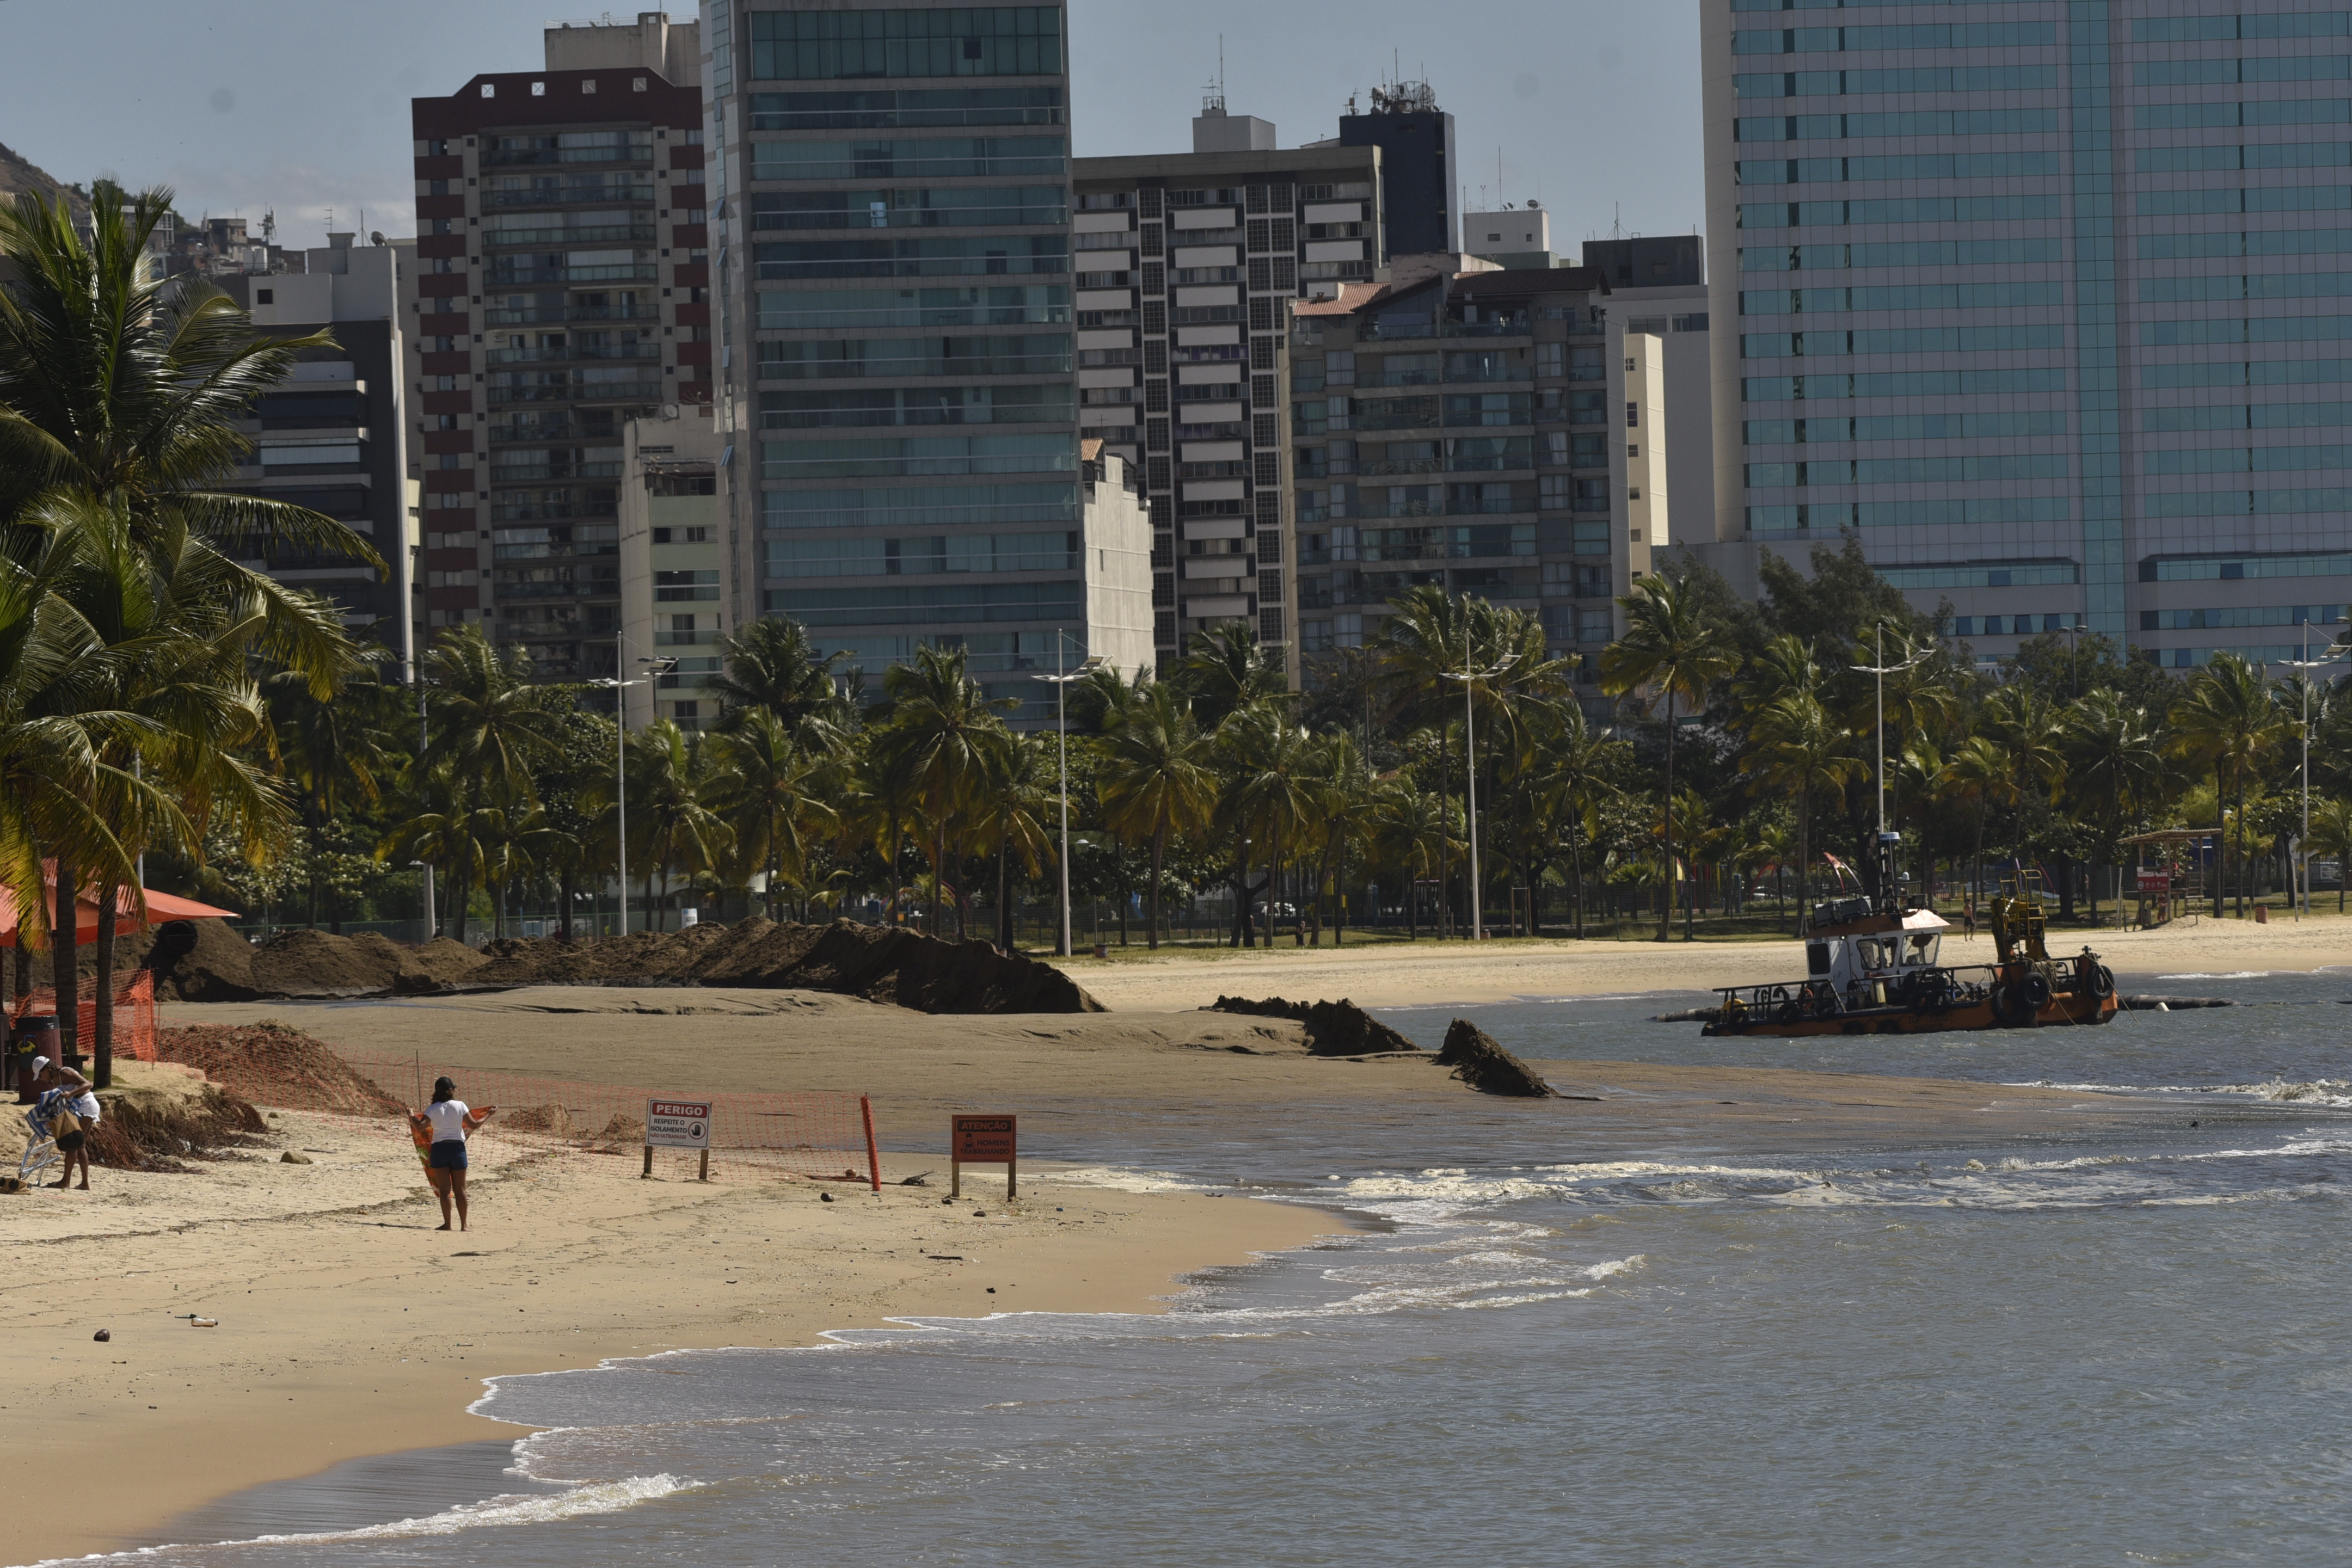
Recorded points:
(1616, 228)
(269, 227)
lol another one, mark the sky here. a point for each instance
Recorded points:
(300, 107)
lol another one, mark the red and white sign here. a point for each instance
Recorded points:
(678, 1123)
(2155, 882)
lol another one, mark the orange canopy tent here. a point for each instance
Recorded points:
(161, 907)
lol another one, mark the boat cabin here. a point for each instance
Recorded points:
(1866, 959)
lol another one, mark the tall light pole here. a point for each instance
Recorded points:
(1878, 673)
(1060, 682)
(1469, 677)
(2303, 845)
(621, 764)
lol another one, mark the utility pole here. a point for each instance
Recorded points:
(1060, 682)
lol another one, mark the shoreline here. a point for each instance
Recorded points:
(354, 1330)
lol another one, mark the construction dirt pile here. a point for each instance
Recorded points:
(203, 961)
(156, 1125)
(1486, 1066)
(271, 1063)
(1333, 1028)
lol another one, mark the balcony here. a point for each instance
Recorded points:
(555, 195)
(540, 157)
(534, 276)
(601, 391)
(563, 353)
(642, 234)
(687, 639)
(524, 476)
(1401, 465)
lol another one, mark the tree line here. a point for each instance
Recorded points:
(160, 700)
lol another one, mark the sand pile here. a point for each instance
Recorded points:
(1332, 1028)
(272, 1064)
(883, 964)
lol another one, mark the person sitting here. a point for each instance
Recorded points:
(67, 1110)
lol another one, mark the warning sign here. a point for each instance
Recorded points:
(678, 1123)
(983, 1141)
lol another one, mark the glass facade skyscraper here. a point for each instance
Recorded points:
(900, 459)
(2048, 301)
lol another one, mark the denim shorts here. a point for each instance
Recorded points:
(448, 1155)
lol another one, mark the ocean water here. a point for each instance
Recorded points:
(1541, 1349)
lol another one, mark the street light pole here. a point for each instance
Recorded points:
(1879, 672)
(1060, 682)
(2303, 845)
(1470, 675)
(621, 760)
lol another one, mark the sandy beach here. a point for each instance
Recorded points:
(1430, 973)
(348, 1326)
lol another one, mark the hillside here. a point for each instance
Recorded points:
(17, 173)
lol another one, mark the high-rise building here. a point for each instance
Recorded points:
(1513, 236)
(563, 290)
(673, 559)
(1187, 266)
(1418, 169)
(2045, 304)
(334, 436)
(1473, 430)
(896, 329)
(1657, 288)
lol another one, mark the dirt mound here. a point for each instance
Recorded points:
(302, 962)
(202, 961)
(1486, 1066)
(1333, 1028)
(196, 961)
(272, 1064)
(143, 1131)
(622, 1132)
(551, 1119)
(886, 963)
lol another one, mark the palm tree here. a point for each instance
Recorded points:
(771, 666)
(335, 751)
(1573, 766)
(1343, 798)
(1783, 666)
(445, 821)
(1016, 807)
(1799, 749)
(1426, 637)
(1670, 647)
(1978, 775)
(1268, 797)
(2225, 722)
(122, 386)
(2114, 769)
(671, 789)
(938, 729)
(764, 792)
(1228, 669)
(1155, 779)
(2331, 834)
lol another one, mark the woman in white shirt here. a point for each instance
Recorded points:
(448, 1120)
(67, 1091)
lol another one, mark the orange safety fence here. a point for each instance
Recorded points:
(134, 1013)
(816, 1136)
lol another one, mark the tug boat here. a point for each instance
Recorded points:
(1874, 966)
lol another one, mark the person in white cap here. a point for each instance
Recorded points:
(68, 1094)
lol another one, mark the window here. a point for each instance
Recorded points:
(265, 297)
(661, 536)
(489, 89)
(589, 85)
(539, 89)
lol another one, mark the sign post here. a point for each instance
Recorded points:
(678, 1124)
(983, 1141)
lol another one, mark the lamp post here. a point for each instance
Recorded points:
(1060, 682)
(1469, 677)
(621, 766)
(2303, 845)
(1878, 673)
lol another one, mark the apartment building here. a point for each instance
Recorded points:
(2046, 302)
(563, 290)
(335, 436)
(1187, 266)
(1657, 287)
(673, 558)
(1419, 171)
(1483, 431)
